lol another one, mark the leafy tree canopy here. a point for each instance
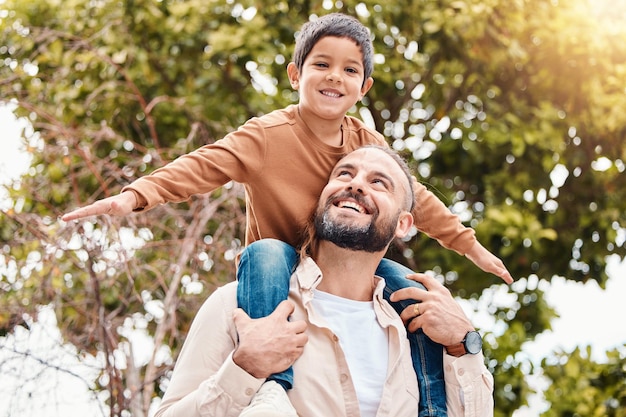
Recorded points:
(513, 112)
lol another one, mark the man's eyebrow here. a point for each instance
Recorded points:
(343, 166)
(379, 174)
(389, 179)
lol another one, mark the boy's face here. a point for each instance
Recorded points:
(331, 80)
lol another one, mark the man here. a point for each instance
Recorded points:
(353, 357)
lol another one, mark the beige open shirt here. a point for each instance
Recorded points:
(206, 382)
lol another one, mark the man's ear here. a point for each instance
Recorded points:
(294, 75)
(405, 222)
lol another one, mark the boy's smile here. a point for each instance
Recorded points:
(331, 80)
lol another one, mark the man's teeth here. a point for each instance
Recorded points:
(351, 205)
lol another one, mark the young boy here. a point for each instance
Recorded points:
(284, 159)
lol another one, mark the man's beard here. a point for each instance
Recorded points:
(368, 238)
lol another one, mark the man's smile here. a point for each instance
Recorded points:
(352, 205)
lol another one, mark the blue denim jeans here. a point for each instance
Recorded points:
(263, 275)
(265, 267)
(427, 355)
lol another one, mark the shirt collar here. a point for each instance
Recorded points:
(309, 275)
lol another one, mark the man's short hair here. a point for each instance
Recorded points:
(338, 25)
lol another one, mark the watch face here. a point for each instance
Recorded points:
(473, 342)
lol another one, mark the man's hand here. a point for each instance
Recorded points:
(488, 262)
(270, 344)
(438, 314)
(117, 205)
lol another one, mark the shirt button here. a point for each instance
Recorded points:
(344, 377)
(249, 391)
(461, 372)
(335, 338)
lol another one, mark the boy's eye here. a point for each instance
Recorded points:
(321, 64)
(352, 70)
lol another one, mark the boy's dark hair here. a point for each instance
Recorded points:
(338, 25)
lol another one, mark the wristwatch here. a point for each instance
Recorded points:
(472, 344)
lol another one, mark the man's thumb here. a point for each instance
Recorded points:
(284, 309)
(239, 316)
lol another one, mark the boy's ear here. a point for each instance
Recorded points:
(366, 86)
(294, 75)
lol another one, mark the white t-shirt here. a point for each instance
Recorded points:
(364, 342)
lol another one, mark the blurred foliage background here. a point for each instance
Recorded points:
(512, 112)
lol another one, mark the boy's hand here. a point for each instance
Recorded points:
(488, 262)
(117, 205)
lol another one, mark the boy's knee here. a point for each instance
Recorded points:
(268, 247)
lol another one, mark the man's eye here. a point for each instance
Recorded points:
(380, 182)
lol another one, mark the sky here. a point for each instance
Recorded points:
(585, 312)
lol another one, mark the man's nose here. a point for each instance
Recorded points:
(357, 184)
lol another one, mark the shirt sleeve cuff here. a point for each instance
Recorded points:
(237, 383)
(462, 371)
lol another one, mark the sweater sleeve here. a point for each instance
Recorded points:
(237, 157)
(432, 217)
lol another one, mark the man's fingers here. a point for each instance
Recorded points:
(426, 280)
(284, 311)
(279, 316)
(408, 293)
(301, 340)
(415, 324)
(412, 317)
(409, 313)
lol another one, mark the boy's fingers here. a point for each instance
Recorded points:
(506, 276)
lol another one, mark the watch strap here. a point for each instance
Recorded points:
(457, 349)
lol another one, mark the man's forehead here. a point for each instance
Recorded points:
(371, 158)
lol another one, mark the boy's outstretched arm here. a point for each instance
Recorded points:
(117, 205)
(488, 262)
(437, 221)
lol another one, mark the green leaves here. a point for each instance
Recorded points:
(485, 98)
(580, 386)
